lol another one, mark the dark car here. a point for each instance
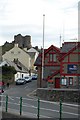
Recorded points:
(20, 81)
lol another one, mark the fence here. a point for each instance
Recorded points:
(34, 107)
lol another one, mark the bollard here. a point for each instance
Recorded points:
(60, 110)
(20, 105)
(6, 103)
(38, 108)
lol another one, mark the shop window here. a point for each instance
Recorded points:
(70, 80)
(63, 81)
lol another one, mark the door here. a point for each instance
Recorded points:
(57, 82)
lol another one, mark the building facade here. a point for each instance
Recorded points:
(18, 55)
(61, 66)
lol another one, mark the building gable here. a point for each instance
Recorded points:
(50, 55)
(17, 53)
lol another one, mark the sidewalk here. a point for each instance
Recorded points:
(7, 116)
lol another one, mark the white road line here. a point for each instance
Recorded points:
(64, 104)
(58, 111)
(32, 92)
(26, 87)
(73, 105)
(32, 97)
(70, 113)
(10, 98)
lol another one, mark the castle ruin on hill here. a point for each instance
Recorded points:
(23, 41)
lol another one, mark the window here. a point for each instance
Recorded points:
(63, 81)
(52, 57)
(70, 80)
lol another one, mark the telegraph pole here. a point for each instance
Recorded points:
(60, 41)
(43, 48)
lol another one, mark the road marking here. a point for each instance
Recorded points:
(58, 111)
(32, 92)
(10, 98)
(26, 87)
(73, 105)
(70, 113)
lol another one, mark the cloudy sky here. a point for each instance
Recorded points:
(26, 17)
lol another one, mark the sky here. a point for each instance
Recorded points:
(25, 17)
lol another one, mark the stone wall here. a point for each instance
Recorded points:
(66, 95)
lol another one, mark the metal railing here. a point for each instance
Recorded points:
(29, 105)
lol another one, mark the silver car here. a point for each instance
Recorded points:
(20, 81)
(28, 78)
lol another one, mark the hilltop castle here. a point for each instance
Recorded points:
(23, 41)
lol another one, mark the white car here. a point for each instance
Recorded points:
(28, 78)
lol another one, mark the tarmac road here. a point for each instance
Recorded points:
(47, 109)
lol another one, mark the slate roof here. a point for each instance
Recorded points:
(67, 46)
(32, 54)
(15, 66)
(71, 50)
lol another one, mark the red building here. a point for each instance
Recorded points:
(61, 66)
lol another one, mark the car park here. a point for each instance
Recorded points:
(20, 81)
(34, 77)
(28, 78)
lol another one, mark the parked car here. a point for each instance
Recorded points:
(28, 78)
(34, 77)
(20, 81)
(1, 89)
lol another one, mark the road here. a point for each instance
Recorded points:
(30, 105)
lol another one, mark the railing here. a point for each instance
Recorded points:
(32, 107)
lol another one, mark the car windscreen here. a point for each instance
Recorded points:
(26, 77)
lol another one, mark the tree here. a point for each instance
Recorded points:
(8, 73)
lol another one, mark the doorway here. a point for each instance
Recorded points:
(57, 82)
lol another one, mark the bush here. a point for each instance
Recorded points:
(8, 73)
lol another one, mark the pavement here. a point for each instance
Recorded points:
(7, 116)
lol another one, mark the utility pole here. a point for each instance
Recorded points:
(60, 41)
(43, 48)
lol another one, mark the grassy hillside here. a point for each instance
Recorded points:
(6, 47)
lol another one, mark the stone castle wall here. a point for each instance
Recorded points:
(23, 41)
